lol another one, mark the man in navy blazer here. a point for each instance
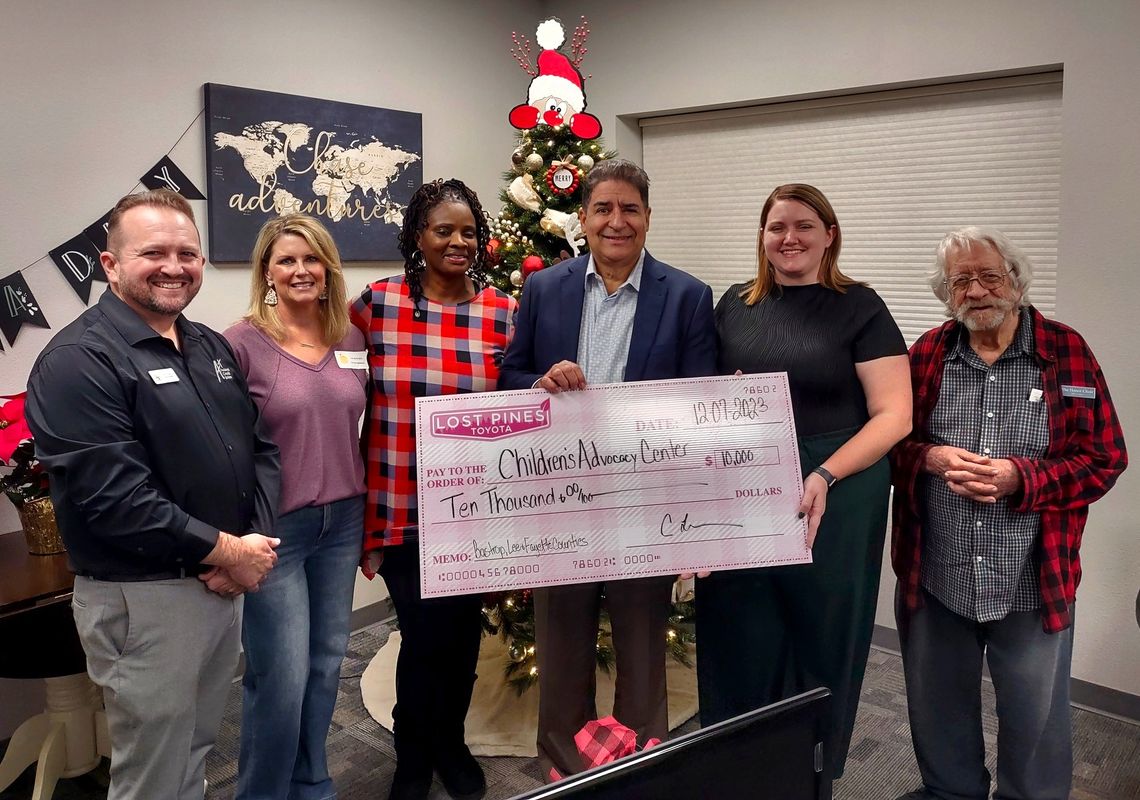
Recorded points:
(615, 315)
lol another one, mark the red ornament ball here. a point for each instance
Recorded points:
(532, 263)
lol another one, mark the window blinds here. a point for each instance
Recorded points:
(901, 169)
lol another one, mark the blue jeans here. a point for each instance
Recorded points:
(295, 634)
(942, 661)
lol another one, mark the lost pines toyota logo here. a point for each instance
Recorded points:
(491, 423)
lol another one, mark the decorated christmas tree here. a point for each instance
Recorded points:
(557, 144)
(510, 615)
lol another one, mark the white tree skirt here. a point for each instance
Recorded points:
(500, 723)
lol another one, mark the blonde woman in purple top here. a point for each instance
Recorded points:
(306, 368)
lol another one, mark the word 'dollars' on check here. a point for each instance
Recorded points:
(618, 481)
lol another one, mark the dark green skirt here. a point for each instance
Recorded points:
(769, 633)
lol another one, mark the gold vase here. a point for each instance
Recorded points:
(37, 518)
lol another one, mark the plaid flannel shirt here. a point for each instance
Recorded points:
(1086, 455)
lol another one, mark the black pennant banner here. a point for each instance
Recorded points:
(18, 307)
(78, 260)
(96, 232)
(165, 175)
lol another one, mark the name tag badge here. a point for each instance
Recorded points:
(1035, 395)
(161, 376)
(1084, 392)
(352, 359)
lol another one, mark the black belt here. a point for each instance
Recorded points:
(131, 577)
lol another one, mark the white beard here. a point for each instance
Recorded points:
(987, 320)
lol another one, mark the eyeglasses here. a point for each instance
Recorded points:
(988, 280)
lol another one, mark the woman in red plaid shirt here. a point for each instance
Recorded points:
(440, 328)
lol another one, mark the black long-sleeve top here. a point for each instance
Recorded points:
(150, 451)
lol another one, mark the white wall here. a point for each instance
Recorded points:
(94, 97)
(686, 55)
(93, 94)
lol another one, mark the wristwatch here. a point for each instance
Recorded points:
(828, 478)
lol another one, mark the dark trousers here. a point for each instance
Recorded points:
(566, 629)
(435, 671)
(942, 659)
(767, 634)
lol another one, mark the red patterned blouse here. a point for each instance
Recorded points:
(449, 349)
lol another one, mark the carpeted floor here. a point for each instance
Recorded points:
(880, 767)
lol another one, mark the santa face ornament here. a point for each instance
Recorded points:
(555, 96)
(553, 110)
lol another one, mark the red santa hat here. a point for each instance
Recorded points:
(556, 77)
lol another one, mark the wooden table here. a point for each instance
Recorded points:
(27, 581)
(40, 641)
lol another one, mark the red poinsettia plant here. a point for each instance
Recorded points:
(26, 479)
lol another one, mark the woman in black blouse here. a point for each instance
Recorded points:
(766, 634)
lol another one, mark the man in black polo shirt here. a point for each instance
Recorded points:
(164, 491)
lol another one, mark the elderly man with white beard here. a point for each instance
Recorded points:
(1014, 436)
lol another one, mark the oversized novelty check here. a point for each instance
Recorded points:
(526, 488)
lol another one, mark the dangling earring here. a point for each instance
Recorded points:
(271, 296)
(418, 262)
(324, 295)
(475, 271)
(412, 272)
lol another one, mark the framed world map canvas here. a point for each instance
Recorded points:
(352, 167)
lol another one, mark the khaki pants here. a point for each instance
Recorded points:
(164, 653)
